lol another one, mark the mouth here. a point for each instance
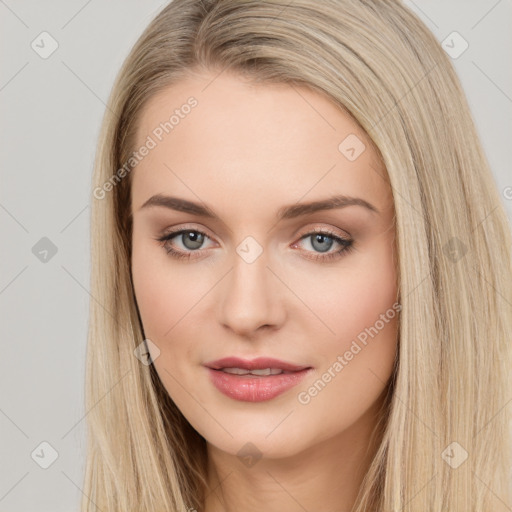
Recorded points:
(255, 380)
(260, 363)
(259, 373)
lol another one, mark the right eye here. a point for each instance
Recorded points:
(191, 240)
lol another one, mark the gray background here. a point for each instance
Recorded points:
(50, 116)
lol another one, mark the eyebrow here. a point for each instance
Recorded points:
(286, 212)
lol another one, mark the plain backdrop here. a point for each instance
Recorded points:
(50, 113)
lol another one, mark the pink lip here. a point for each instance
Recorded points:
(251, 388)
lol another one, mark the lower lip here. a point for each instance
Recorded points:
(251, 388)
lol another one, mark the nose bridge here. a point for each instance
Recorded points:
(250, 298)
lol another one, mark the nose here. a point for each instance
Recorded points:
(251, 298)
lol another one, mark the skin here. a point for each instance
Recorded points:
(246, 151)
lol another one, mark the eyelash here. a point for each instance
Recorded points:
(346, 243)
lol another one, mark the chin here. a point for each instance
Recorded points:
(257, 443)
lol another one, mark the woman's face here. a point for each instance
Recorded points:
(256, 272)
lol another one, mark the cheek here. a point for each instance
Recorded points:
(361, 308)
(356, 362)
(161, 294)
(365, 289)
(165, 299)
(165, 289)
(168, 297)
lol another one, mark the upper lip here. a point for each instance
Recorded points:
(260, 363)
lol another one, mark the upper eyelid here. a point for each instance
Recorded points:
(174, 232)
(317, 227)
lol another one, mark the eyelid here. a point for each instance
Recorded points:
(303, 232)
(187, 227)
(322, 228)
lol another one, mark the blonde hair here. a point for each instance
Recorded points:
(379, 63)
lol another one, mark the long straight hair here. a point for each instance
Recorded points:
(446, 442)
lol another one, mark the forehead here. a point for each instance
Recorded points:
(246, 142)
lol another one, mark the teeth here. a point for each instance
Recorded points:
(267, 371)
(235, 371)
(241, 371)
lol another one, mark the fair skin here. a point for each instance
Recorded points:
(246, 151)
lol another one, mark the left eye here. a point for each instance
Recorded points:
(318, 241)
(321, 241)
(192, 240)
